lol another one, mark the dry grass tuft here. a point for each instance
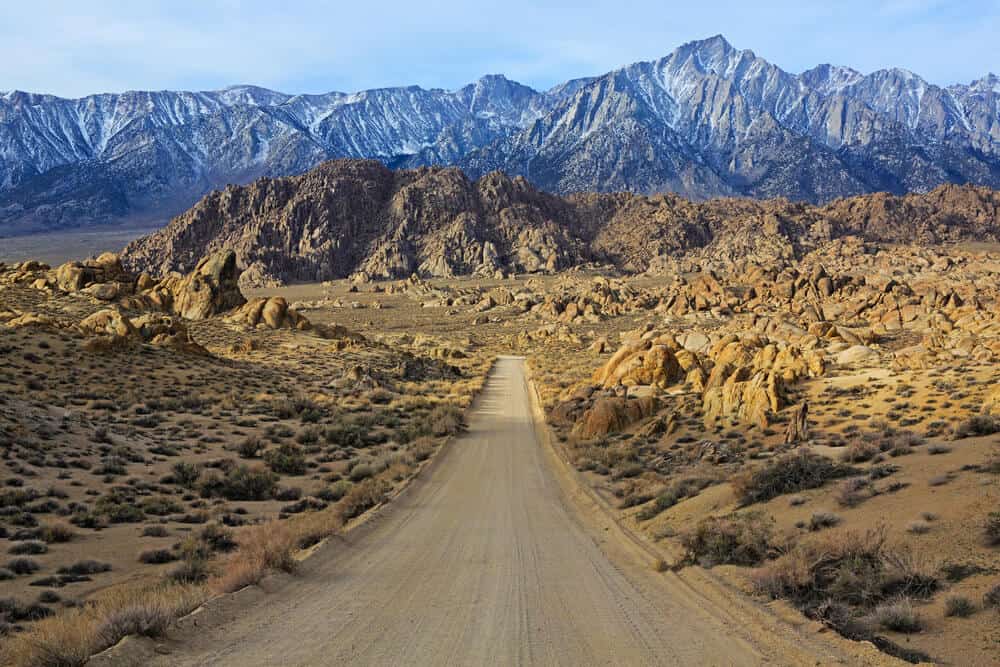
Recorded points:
(262, 549)
(69, 639)
(735, 540)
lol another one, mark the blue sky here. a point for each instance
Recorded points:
(82, 47)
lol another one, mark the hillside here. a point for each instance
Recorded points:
(353, 216)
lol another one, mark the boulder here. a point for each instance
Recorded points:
(269, 312)
(641, 363)
(751, 401)
(108, 322)
(212, 288)
(613, 414)
(856, 354)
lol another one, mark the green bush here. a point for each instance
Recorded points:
(185, 474)
(241, 483)
(286, 459)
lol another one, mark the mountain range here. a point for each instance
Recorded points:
(707, 120)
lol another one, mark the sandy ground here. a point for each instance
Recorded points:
(484, 563)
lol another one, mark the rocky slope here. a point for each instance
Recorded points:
(706, 120)
(351, 217)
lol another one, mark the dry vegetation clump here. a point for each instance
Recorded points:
(262, 549)
(991, 529)
(992, 598)
(72, 637)
(739, 539)
(959, 605)
(976, 426)
(820, 520)
(788, 474)
(678, 490)
(363, 496)
(896, 615)
(855, 582)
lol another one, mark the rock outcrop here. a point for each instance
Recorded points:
(210, 289)
(271, 313)
(355, 217)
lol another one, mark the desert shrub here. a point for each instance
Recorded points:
(852, 568)
(148, 613)
(315, 526)
(991, 529)
(345, 435)
(361, 471)
(821, 520)
(249, 448)
(678, 490)
(286, 493)
(118, 506)
(859, 451)
(49, 597)
(14, 611)
(308, 436)
(422, 448)
(992, 464)
(157, 556)
(959, 605)
(262, 549)
(155, 531)
(28, 548)
(217, 537)
(298, 406)
(335, 491)
(992, 597)
(56, 532)
(739, 539)
(161, 506)
(241, 483)
(897, 616)
(977, 425)
(854, 491)
(286, 459)
(185, 474)
(85, 567)
(444, 419)
(918, 527)
(788, 474)
(191, 570)
(23, 566)
(363, 496)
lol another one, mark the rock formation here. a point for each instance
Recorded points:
(358, 218)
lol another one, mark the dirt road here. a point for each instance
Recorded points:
(484, 563)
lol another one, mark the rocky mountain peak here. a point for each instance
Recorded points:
(706, 120)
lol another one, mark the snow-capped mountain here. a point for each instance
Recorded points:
(706, 120)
